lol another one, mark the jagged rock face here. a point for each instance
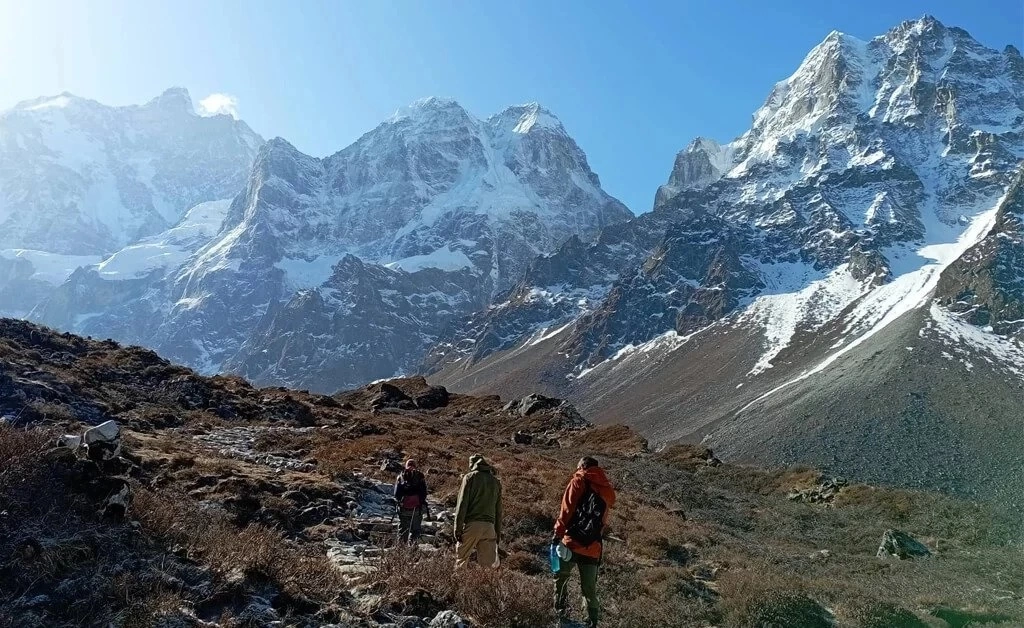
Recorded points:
(81, 178)
(864, 168)
(366, 322)
(986, 285)
(695, 276)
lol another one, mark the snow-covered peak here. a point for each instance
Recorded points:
(83, 178)
(56, 102)
(428, 107)
(174, 99)
(522, 119)
(697, 166)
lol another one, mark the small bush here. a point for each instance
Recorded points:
(783, 610)
(884, 615)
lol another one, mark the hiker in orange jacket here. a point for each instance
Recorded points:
(581, 522)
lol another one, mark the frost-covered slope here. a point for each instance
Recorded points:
(872, 199)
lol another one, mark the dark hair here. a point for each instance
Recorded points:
(586, 462)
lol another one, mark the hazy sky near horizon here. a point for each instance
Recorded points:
(632, 82)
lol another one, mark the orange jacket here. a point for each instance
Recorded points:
(573, 492)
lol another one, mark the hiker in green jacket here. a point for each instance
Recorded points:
(478, 518)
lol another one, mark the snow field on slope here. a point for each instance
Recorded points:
(994, 349)
(443, 258)
(53, 268)
(906, 292)
(797, 296)
(169, 249)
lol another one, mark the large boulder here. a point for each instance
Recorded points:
(534, 403)
(431, 398)
(898, 544)
(565, 416)
(391, 396)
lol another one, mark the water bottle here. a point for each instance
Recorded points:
(556, 562)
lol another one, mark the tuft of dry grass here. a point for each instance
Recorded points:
(498, 598)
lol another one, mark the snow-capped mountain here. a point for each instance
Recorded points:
(878, 172)
(421, 220)
(80, 180)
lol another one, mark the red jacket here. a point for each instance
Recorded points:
(573, 492)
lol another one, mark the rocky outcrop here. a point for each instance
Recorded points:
(900, 545)
(986, 285)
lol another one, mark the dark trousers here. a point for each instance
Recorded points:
(588, 568)
(410, 522)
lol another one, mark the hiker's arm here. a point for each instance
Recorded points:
(460, 509)
(423, 491)
(398, 487)
(570, 499)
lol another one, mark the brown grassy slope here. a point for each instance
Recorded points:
(700, 546)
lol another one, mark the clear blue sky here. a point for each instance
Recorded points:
(633, 82)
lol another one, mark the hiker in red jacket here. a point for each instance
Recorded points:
(587, 501)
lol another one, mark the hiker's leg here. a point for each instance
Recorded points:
(562, 589)
(487, 546)
(404, 524)
(464, 548)
(588, 584)
(416, 526)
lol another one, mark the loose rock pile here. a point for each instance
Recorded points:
(824, 493)
(240, 443)
(566, 416)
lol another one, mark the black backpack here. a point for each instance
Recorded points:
(588, 519)
(410, 485)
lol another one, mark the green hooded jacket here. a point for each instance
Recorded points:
(479, 497)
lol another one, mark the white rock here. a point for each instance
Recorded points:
(107, 432)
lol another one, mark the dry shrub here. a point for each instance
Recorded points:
(686, 456)
(617, 440)
(498, 598)
(884, 615)
(338, 456)
(226, 548)
(283, 440)
(23, 470)
(658, 596)
(143, 602)
(744, 590)
(651, 532)
(930, 514)
(53, 412)
(778, 608)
